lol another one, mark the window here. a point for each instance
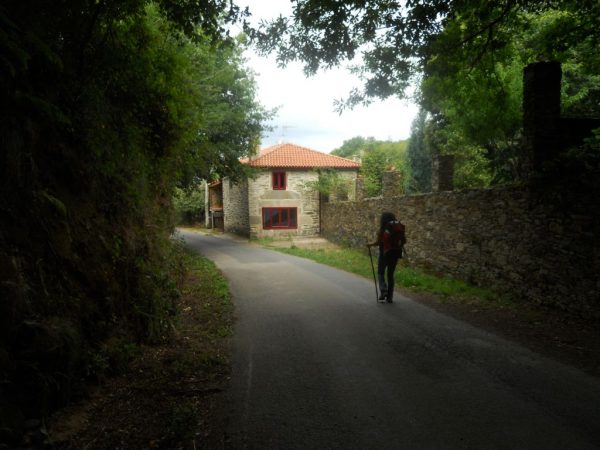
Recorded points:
(279, 181)
(274, 218)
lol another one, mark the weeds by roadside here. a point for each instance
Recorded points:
(550, 332)
(415, 280)
(169, 396)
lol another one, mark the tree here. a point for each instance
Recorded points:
(230, 120)
(189, 204)
(419, 156)
(466, 56)
(374, 164)
(480, 106)
(106, 105)
(376, 157)
(393, 42)
(355, 146)
(330, 184)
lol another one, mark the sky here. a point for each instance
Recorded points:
(306, 114)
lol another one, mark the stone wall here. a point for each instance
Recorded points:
(442, 173)
(391, 183)
(235, 207)
(545, 132)
(261, 195)
(538, 246)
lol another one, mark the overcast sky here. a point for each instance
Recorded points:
(306, 113)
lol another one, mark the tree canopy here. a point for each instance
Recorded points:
(376, 157)
(106, 107)
(392, 41)
(465, 59)
(480, 106)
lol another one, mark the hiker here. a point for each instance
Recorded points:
(390, 240)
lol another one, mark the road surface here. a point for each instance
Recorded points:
(318, 364)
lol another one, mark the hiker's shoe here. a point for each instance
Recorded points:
(389, 300)
(383, 295)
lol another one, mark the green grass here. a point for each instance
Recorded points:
(415, 280)
(264, 241)
(206, 319)
(209, 285)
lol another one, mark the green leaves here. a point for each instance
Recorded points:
(376, 157)
(391, 43)
(419, 156)
(189, 204)
(476, 98)
(106, 106)
(331, 183)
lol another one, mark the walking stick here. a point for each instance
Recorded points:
(374, 278)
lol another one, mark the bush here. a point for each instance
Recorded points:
(189, 204)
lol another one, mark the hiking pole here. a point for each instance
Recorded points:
(374, 277)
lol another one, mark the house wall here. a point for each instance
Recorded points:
(235, 207)
(539, 245)
(261, 195)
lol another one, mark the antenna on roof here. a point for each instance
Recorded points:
(284, 129)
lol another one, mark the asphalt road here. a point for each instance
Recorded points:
(318, 364)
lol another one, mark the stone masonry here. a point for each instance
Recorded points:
(297, 195)
(391, 183)
(540, 243)
(442, 173)
(510, 240)
(541, 113)
(235, 196)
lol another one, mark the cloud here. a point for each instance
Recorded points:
(306, 114)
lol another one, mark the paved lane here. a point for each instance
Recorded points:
(318, 364)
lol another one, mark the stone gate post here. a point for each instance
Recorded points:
(442, 173)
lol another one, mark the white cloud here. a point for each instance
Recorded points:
(306, 113)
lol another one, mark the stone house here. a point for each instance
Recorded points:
(278, 200)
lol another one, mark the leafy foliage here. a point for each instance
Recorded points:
(477, 109)
(419, 156)
(330, 184)
(355, 146)
(466, 57)
(376, 157)
(189, 204)
(230, 122)
(394, 42)
(106, 107)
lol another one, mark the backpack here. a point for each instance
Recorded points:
(394, 238)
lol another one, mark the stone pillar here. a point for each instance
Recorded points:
(442, 173)
(359, 192)
(206, 206)
(541, 113)
(391, 184)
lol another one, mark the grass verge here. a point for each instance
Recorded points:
(414, 280)
(170, 397)
(550, 332)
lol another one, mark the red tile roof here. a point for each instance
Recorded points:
(294, 156)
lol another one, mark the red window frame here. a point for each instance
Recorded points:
(280, 218)
(279, 181)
